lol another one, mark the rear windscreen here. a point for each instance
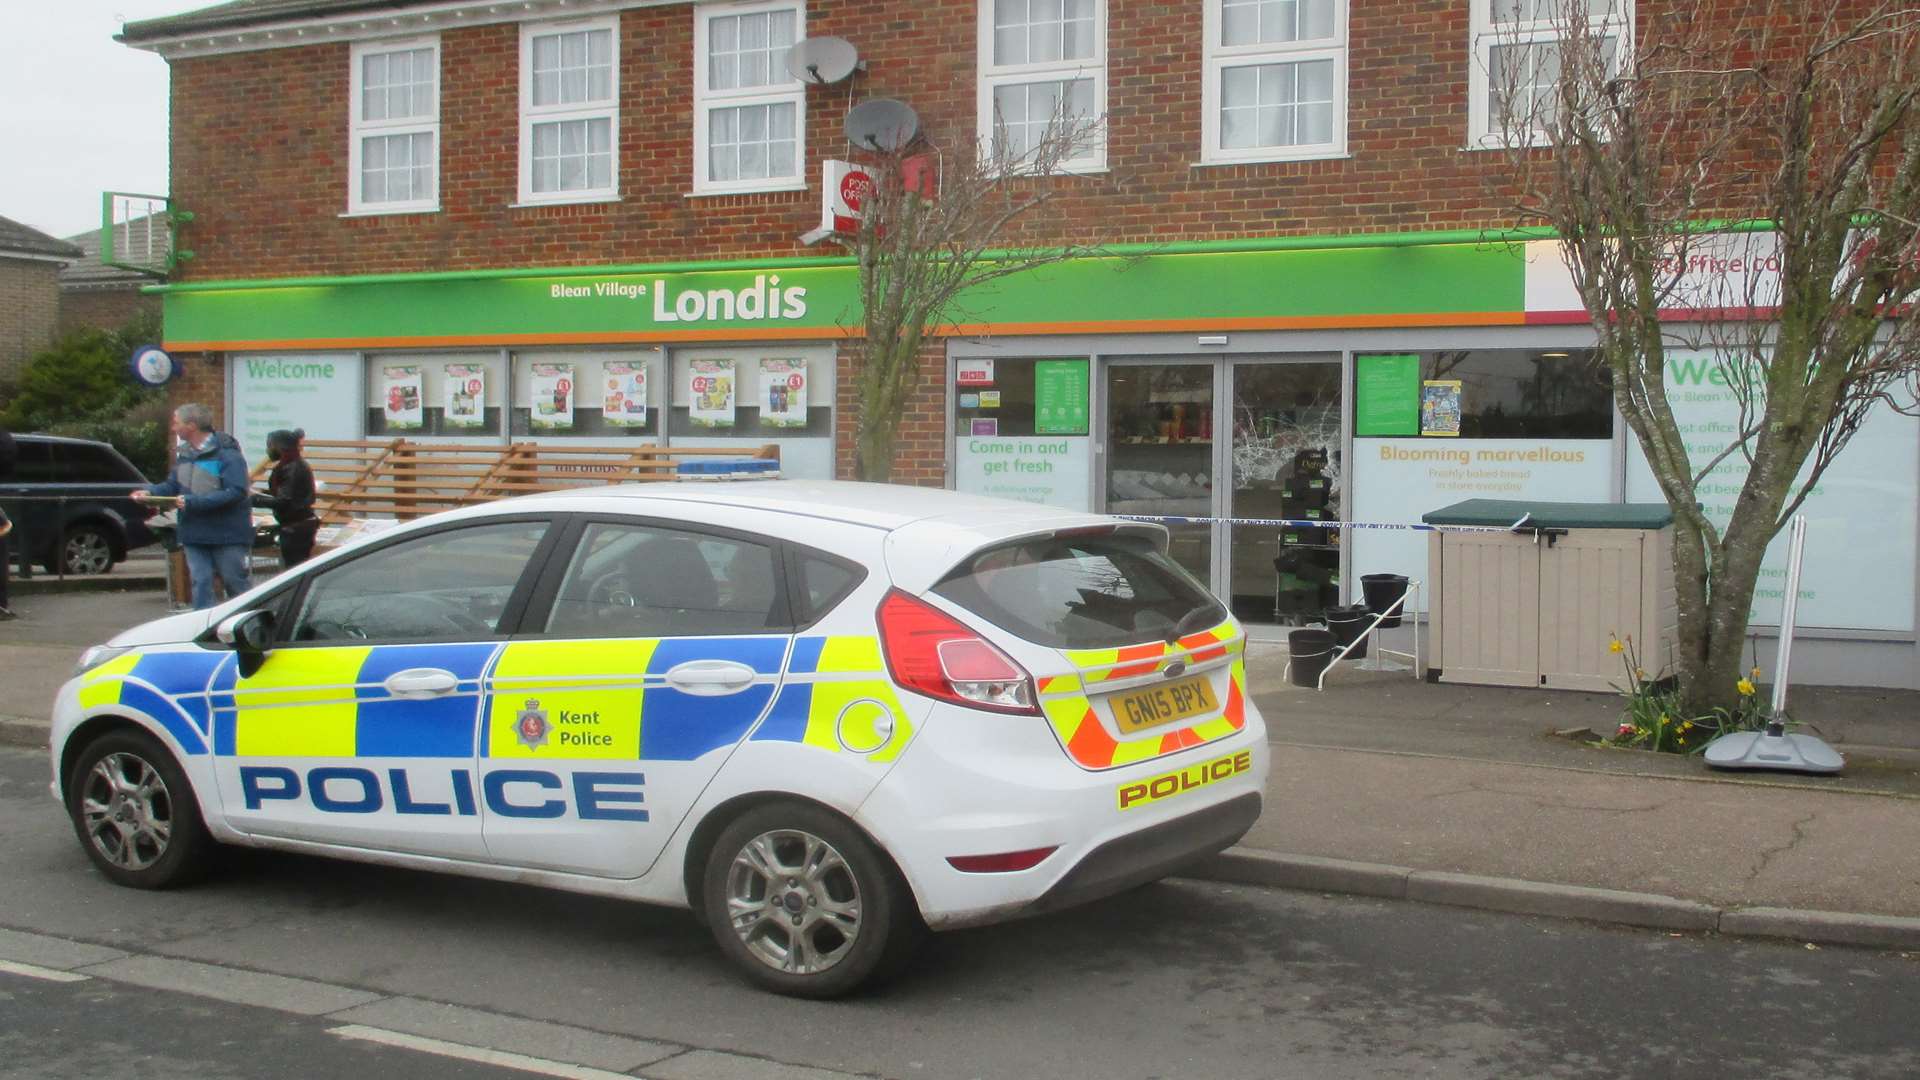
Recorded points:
(1082, 592)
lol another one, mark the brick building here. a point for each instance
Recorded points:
(94, 294)
(579, 220)
(30, 264)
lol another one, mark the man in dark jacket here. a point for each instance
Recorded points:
(209, 484)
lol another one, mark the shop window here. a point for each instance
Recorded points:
(394, 123)
(569, 111)
(599, 395)
(1514, 78)
(1276, 80)
(410, 396)
(749, 111)
(1484, 394)
(750, 395)
(1043, 72)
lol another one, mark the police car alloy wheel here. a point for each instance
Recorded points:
(806, 905)
(135, 813)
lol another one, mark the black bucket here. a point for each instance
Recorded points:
(1381, 590)
(1347, 624)
(1309, 649)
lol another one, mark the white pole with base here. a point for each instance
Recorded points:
(1772, 747)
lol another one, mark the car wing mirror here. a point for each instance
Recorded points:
(250, 635)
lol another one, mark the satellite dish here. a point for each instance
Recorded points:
(882, 124)
(822, 60)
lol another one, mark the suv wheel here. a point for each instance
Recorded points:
(87, 549)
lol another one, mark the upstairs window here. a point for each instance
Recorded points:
(749, 111)
(394, 153)
(1276, 80)
(1517, 48)
(569, 112)
(1043, 68)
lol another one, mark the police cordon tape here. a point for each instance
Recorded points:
(1316, 523)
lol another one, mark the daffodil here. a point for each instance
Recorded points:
(1640, 673)
(1614, 646)
(1745, 686)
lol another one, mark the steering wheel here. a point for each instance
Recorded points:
(455, 616)
(611, 589)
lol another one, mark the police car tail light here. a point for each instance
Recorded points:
(930, 652)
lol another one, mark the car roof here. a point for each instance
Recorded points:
(876, 506)
(64, 440)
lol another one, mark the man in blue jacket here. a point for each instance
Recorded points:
(209, 484)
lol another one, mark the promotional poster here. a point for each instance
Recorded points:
(551, 408)
(783, 384)
(710, 393)
(626, 403)
(403, 407)
(466, 396)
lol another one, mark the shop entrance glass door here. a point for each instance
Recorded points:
(1160, 459)
(1285, 459)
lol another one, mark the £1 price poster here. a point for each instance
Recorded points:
(710, 393)
(626, 404)
(403, 408)
(466, 396)
(552, 397)
(783, 386)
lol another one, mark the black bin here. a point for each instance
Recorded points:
(1381, 590)
(1310, 648)
(1347, 623)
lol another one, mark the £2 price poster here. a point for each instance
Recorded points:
(404, 410)
(626, 404)
(783, 388)
(552, 397)
(466, 396)
(710, 393)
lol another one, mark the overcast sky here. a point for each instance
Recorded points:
(80, 113)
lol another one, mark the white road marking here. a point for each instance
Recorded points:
(476, 1054)
(33, 972)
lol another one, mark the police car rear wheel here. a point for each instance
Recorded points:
(135, 813)
(804, 903)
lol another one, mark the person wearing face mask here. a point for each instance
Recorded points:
(290, 496)
(209, 485)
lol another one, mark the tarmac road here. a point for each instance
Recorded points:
(1179, 979)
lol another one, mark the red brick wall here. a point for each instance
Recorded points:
(29, 310)
(202, 379)
(260, 146)
(103, 309)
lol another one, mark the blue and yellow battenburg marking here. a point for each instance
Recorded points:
(836, 697)
(603, 699)
(170, 687)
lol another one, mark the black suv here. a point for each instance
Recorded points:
(68, 501)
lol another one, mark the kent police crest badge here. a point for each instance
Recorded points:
(531, 725)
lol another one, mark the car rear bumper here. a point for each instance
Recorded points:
(1151, 854)
(980, 784)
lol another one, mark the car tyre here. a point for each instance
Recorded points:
(805, 905)
(86, 549)
(136, 814)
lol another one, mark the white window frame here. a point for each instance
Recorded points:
(1218, 58)
(792, 92)
(993, 76)
(359, 130)
(529, 115)
(1485, 34)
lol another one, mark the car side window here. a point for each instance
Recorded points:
(632, 580)
(825, 581)
(445, 586)
(34, 465)
(84, 464)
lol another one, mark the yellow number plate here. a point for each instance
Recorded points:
(1164, 704)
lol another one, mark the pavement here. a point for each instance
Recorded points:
(1479, 797)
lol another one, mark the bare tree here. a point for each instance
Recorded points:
(1740, 177)
(930, 239)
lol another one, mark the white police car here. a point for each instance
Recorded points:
(824, 716)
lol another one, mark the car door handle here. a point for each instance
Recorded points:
(710, 678)
(421, 682)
